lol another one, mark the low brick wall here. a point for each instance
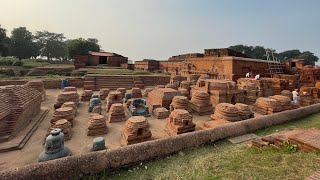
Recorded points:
(155, 80)
(48, 83)
(74, 166)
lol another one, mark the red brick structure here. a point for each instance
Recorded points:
(146, 65)
(18, 105)
(99, 58)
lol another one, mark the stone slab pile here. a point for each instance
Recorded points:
(65, 127)
(244, 111)
(161, 113)
(287, 93)
(146, 92)
(179, 102)
(103, 93)
(283, 100)
(69, 96)
(278, 85)
(122, 90)
(266, 106)
(112, 98)
(200, 103)
(69, 88)
(97, 125)
(71, 104)
(136, 93)
(226, 111)
(173, 86)
(136, 130)
(86, 95)
(178, 122)
(116, 113)
(63, 113)
(37, 85)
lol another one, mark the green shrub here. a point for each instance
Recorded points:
(17, 63)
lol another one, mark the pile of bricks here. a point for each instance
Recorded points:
(161, 113)
(71, 104)
(267, 106)
(116, 113)
(146, 92)
(97, 125)
(200, 103)
(112, 98)
(226, 111)
(161, 97)
(278, 85)
(287, 93)
(70, 88)
(244, 111)
(173, 86)
(136, 130)
(122, 90)
(179, 102)
(103, 93)
(179, 121)
(37, 85)
(65, 127)
(136, 93)
(283, 100)
(86, 95)
(63, 113)
(69, 96)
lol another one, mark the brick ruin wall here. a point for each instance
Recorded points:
(48, 83)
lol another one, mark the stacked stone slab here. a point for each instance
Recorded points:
(287, 93)
(86, 95)
(179, 121)
(63, 113)
(116, 113)
(37, 85)
(18, 105)
(122, 90)
(161, 113)
(173, 86)
(136, 93)
(200, 103)
(161, 97)
(226, 111)
(97, 125)
(283, 100)
(179, 102)
(136, 130)
(266, 106)
(103, 93)
(244, 111)
(112, 98)
(71, 104)
(65, 127)
(69, 96)
(146, 92)
(70, 88)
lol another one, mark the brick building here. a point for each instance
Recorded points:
(147, 65)
(99, 58)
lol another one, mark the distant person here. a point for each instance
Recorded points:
(257, 77)
(248, 75)
(295, 95)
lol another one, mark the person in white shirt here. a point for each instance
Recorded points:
(295, 95)
(257, 77)
(248, 75)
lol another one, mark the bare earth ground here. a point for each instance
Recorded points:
(79, 142)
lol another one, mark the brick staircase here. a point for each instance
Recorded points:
(97, 82)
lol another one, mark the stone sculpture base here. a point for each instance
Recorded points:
(46, 157)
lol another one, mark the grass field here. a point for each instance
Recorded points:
(223, 160)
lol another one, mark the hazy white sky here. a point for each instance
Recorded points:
(159, 29)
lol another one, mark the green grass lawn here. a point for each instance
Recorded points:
(223, 160)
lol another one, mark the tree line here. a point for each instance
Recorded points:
(23, 44)
(259, 52)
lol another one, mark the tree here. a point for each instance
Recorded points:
(309, 57)
(81, 46)
(4, 42)
(52, 45)
(289, 54)
(22, 44)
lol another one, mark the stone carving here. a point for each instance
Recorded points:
(104, 93)
(161, 113)
(136, 93)
(136, 130)
(116, 113)
(179, 121)
(68, 96)
(113, 97)
(65, 127)
(200, 103)
(86, 95)
(138, 107)
(54, 147)
(63, 113)
(97, 125)
(98, 144)
(179, 102)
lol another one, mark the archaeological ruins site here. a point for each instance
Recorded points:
(118, 120)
